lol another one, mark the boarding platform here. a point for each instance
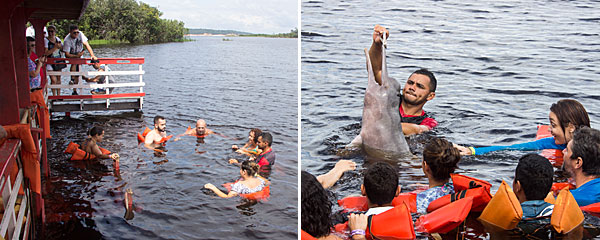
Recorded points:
(125, 93)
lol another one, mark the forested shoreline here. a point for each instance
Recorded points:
(124, 21)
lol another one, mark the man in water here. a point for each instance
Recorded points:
(419, 88)
(582, 163)
(100, 78)
(154, 137)
(200, 131)
(267, 156)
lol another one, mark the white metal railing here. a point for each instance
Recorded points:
(12, 223)
(107, 85)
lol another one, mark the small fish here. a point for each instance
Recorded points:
(128, 202)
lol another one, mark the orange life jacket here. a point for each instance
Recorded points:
(142, 137)
(359, 203)
(305, 236)
(462, 182)
(481, 197)
(566, 215)
(79, 154)
(446, 218)
(504, 210)
(556, 187)
(395, 223)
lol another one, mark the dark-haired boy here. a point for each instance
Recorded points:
(380, 185)
(533, 181)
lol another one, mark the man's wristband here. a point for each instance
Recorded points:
(357, 232)
(472, 150)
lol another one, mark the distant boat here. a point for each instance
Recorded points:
(227, 39)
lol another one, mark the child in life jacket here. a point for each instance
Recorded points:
(533, 181)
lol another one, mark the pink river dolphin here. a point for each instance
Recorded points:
(381, 134)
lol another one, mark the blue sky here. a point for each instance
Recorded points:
(255, 16)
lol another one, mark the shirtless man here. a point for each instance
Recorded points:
(154, 137)
(418, 89)
(200, 131)
(90, 145)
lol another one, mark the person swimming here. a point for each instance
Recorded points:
(249, 182)
(566, 116)
(251, 147)
(90, 144)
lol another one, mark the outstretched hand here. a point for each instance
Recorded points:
(463, 150)
(378, 32)
(345, 165)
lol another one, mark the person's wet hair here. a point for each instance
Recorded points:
(257, 133)
(441, 157)
(315, 207)
(534, 173)
(95, 131)
(158, 118)
(250, 167)
(429, 74)
(267, 138)
(570, 111)
(30, 39)
(586, 145)
(381, 182)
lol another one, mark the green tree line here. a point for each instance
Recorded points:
(124, 21)
(292, 34)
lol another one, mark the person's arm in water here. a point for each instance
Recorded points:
(219, 192)
(358, 222)
(96, 151)
(375, 50)
(412, 128)
(544, 143)
(330, 178)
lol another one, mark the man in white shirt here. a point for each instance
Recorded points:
(73, 48)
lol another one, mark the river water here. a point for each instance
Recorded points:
(234, 85)
(499, 65)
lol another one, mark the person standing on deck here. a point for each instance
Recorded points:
(154, 138)
(73, 48)
(418, 89)
(34, 68)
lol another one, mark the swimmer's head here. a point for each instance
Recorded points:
(264, 140)
(533, 177)
(254, 134)
(96, 133)
(160, 123)
(200, 127)
(440, 159)
(566, 116)
(250, 168)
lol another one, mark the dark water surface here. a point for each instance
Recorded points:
(499, 68)
(233, 85)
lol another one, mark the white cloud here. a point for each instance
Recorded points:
(259, 16)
